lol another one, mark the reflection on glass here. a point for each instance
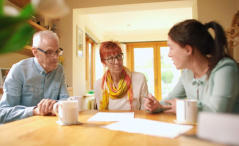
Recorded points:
(169, 74)
(143, 62)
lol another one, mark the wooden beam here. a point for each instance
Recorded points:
(20, 3)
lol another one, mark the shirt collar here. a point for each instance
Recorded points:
(199, 81)
(39, 67)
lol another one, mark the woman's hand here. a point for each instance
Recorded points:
(171, 107)
(151, 103)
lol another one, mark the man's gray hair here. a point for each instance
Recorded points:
(46, 34)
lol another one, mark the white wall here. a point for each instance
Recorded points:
(221, 11)
(7, 60)
(65, 32)
(79, 83)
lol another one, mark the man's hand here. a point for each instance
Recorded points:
(44, 107)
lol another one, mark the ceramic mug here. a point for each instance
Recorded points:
(80, 100)
(67, 111)
(186, 111)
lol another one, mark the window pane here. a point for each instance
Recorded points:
(90, 64)
(99, 68)
(143, 62)
(169, 74)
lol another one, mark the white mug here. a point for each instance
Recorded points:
(186, 111)
(80, 100)
(67, 112)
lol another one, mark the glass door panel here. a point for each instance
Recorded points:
(99, 68)
(169, 73)
(144, 63)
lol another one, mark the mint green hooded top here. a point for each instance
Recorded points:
(218, 93)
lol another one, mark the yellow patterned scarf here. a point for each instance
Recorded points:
(110, 91)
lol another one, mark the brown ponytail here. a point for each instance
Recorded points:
(192, 32)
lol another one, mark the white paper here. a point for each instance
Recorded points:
(112, 116)
(149, 127)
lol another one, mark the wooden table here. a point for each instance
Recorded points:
(1, 91)
(43, 130)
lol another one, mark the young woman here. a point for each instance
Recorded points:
(118, 89)
(208, 73)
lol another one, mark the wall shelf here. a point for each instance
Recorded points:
(36, 26)
(27, 50)
(20, 3)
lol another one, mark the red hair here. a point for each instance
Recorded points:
(109, 48)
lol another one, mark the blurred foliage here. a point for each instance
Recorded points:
(15, 32)
(167, 76)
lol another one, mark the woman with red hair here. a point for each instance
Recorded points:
(118, 89)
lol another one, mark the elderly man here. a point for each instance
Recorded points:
(34, 85)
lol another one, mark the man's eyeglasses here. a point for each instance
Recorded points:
(50, 52)
(112, 59)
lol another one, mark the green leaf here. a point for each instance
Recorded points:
(27, 11)
(4, 36)
(8, 27)
(15, 32)
(1, 7)
(9, 21)
(18, 39)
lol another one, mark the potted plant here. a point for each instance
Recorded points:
(15, 32)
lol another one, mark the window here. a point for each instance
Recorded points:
(152, 60)
(99, 68)
(90, 57)
(145, 64)
(169, 74)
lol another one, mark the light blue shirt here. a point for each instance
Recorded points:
(26, 85)
(218, 93)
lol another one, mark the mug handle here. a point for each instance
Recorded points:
(55, 108)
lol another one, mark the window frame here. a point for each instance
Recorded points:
(90, 75)
(157, 65)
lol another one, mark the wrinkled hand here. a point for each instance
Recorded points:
(171, 107)
(44, 107)
(151, 103)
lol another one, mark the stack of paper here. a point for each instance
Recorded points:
(149, 127)
(128, 123)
